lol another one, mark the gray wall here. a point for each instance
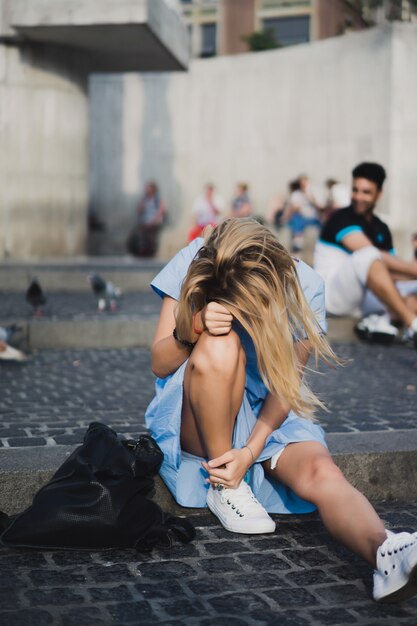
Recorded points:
(262, 118)
(44, 152)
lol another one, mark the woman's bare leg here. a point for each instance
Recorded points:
(307, 468)
(214, 384)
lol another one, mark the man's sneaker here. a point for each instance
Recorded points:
(376, 328)
(239, 511)
(410, 334)
(395, 578)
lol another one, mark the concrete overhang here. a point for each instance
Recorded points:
(117, 35)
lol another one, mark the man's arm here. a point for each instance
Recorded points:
(357, 240)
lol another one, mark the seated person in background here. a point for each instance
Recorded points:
(207, 209)
(241, 203)
(362, 274)
(338, 197)
(302, 211)
(151, 212)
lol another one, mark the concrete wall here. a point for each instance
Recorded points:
(44, 152)
(262, 118)
(47, 50)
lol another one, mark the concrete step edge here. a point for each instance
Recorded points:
(382, 474)
(120, 331)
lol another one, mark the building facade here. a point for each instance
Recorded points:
(218, 27)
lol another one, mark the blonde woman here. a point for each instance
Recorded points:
(238, 322)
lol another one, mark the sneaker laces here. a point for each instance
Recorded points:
(241, 500)
(397, 542)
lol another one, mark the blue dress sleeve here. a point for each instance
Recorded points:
(169, 280)
(313, 287)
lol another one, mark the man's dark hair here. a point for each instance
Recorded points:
(370, 171)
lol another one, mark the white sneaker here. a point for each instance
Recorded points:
(376, 328)
(395, 578)
(239, 511)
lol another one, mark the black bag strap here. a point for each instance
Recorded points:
(182, 529)
(163, 535)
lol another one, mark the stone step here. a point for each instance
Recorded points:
(71, 320)
(117, 332)
(382, 465)
(71, 275)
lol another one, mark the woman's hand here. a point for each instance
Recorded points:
(229, 468)
(216, 319)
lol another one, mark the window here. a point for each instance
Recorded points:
(289, 30)
(208, 37)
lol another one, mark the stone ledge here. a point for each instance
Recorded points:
(128, 276)
(369, 461)
(120, 331)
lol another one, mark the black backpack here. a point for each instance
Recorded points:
(97, 500)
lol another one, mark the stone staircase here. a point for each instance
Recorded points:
(86, 366)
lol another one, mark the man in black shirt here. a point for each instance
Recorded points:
(356, 258)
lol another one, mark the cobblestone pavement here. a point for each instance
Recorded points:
(52, 399)
(13, 306)
(297, 577)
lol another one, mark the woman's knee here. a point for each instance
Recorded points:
(318, 475)
(221, 354)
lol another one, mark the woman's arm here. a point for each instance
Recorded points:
(167, 354)
(231, 467)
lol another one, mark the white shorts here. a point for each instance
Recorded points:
(346, 291)
(346, 288)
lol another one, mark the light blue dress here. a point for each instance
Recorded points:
(181, 471)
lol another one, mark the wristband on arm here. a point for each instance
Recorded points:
(250, 450)
(188, 344)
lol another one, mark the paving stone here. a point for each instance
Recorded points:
(110, 574)
(183, 607)
(340, 594)
(130, 611)
(223, 621)
(27, 617)
(121, 593)
(151, 591)
(308, 577)
(248, 604)
(85, 616)
(166, 570)
(334, 616)
(308, 557)
(52, 578)
(267, 561)
(216, 565)
(42, 597)
(288, 597)
(222, 547)
(9, 598)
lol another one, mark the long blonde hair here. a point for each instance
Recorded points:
(243, 267)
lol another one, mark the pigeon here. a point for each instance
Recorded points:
(35, 297)
(8, 353)
(106, 292)
(7, 332)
